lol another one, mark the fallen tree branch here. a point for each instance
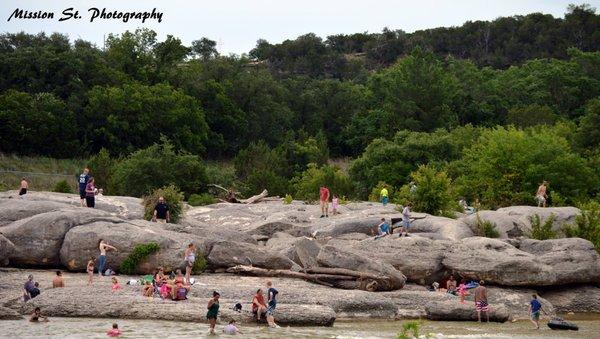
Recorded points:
(255, 198)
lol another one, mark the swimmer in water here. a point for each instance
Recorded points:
(37, 316)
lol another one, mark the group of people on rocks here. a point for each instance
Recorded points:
(384, 228)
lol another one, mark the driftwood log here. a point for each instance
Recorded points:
(332, 277)
(230, 196)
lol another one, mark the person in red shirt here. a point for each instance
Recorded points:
(324, 198)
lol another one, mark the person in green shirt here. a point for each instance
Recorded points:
(213, 311)
(384, 195)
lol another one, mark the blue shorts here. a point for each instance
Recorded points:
(385, 200)
(271, 309)
(406, 223)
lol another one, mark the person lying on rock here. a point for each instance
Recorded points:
(258, 304)
(37, 316)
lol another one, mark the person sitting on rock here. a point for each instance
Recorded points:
(180, 289)
(58, 280)
(383, 229)
(115, 284)
(147, 289)
(259, 307)
(37, 316)
(451, 285)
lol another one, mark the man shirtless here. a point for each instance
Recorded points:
(541, 195)
(58, 281)
(481, 304)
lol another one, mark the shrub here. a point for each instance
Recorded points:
(288, 199)
(541, 231)
(587, 225)
(260, 167)
(173, 198)
(201, 199)
(411, 330)
(200, 264)
(486, 228)
(140, 253)
(101, 167)
(62, 187)
(158, 166)
(308, 183)
(432, 194)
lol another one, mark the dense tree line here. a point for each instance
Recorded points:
(393, 101)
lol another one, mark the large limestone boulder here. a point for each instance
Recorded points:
(576, 299)
(516, 300)
(454, 310)
(9, 314)
(7, 249)
(122, 207)
(81, 243)
(16, 209)
(38, 239)
(497, 262)
(418, 258)
(333, 257)
(228, 253)
(302, 250)
(573, 260)
(445, 228)
(513, 222)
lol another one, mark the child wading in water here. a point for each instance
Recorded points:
(213, 311)
(90, 269)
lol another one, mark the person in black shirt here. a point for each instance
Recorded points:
(161, 211)
(35, 291)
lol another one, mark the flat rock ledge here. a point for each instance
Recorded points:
(91, 302)
(449, 310)
(9, 314)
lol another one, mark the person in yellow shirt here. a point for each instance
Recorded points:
(384, 195)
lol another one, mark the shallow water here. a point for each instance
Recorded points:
(96, 328)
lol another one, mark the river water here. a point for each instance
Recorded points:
(96, 328)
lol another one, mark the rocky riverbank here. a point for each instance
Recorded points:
(340, 270)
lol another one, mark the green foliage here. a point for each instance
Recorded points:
(486, 228)
(411, 330)
(588, 133)
(157, 166)
(260, 167)
(62, 187)
(433, 193)
(201, 199)
(139, 253)
(308, 183)
(539, 230)
(506, 166)
(288, 199)
(531, 115)
(173, 198)
(200, 264)
(101, 167)
(587, 225)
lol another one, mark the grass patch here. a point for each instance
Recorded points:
(42, 173)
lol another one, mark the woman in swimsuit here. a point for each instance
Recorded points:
(190, 257)
(213, 311)
(90, 269)
(178, 283)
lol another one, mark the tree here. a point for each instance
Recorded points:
(588, 133)
(308, 182)
(433, 192)
(205, 48)
(531, 115)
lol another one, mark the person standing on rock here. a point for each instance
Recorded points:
(405, 219)
(90, 193)
(190, 258)
(384, 195)
(58, 280)
(27, 287)
(24, 186)
(535, 307)
(103, 247)
(90, 269)
(272, 303)
(83, 181)
(481, 303)
(540, 195)
(161, 211)
(213, 311)
(324, 201)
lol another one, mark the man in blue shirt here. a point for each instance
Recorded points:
(83, 181)
(535, 307)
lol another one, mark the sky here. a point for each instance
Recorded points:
(236, 25)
